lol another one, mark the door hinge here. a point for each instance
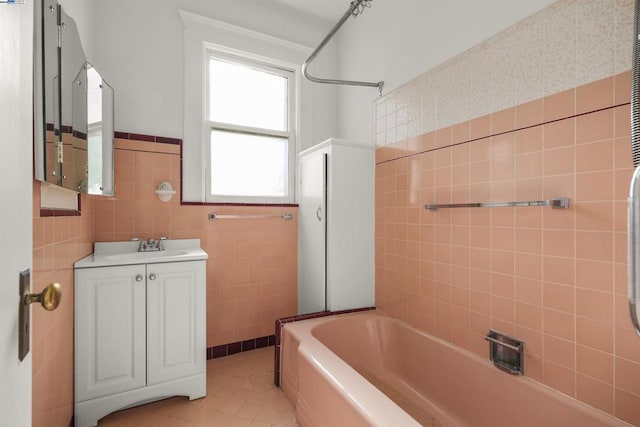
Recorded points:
(59, 35)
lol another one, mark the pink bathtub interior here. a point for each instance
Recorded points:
(366, 369)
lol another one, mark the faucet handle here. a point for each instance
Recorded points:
(164, 238)
(135, 239)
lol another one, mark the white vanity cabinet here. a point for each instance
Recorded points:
(110, 330)
(139, 333)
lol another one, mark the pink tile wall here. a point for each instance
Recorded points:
(57, 243)
(555, 278)
(251, 271)
(252, 266)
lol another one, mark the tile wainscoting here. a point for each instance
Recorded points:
(555, 278)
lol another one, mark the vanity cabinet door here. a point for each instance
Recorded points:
(110, 330)
(176, 342)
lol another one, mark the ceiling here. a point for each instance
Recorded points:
(325, 9)
(332, 10)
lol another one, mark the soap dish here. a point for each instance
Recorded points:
(165, 191)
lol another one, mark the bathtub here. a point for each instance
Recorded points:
(367, 369)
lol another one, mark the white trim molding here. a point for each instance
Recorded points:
(202, 34)
(191, 20)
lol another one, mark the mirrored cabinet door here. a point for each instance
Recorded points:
(92, 131)
(51, 168)
(74, 119)
(72, 60)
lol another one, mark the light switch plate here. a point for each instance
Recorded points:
(24, 316)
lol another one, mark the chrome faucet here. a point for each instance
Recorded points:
(152, 245)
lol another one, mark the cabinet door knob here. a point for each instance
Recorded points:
(152, 276)
(139, 278)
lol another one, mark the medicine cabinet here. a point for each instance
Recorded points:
(74, 126)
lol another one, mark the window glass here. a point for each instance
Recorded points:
(250, 131)
(251, 165)
(241, 95)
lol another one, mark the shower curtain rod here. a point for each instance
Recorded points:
(355, 9)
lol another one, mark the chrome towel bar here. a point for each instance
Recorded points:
(557, 203)
(213, 216)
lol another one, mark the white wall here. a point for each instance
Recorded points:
(397, 40)
(82, 13)
(549, 52)
(139, 50)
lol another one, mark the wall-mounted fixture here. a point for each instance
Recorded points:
(213, 216)
(356, 8)
(506, 352)
(557, 203)
(165, 191)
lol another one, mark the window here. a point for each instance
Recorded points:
(250, 131)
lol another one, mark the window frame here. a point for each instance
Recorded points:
(265, 65)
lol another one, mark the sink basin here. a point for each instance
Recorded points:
(126, 253)
(151, 255)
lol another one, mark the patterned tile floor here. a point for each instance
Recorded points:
(240, 392)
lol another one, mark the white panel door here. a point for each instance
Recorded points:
(110, 330)
(176, 336)
(16, 80)
(312, 230)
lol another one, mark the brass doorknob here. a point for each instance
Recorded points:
(49, 298)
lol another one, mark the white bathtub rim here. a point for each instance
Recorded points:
(311, 345)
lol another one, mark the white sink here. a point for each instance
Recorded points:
(126, 253)
(149, 255)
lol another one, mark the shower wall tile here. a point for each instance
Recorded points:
(504, 73)
(570, 43)
(623, 25)
(555, 278)
(444, 80)
(429, 102)
(479, 66)
(530, 70)
(595, 41)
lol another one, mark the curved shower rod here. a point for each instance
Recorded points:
(355, 9)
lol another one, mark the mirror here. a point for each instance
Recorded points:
(72, 60)
(92, 102)
(74, 117)
(47, 82)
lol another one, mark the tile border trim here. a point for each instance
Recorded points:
(147, 138)
(224, 350)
